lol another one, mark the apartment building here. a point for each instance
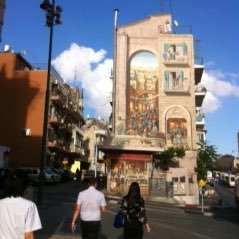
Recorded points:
(22, 97)
(157, 98)
(95, 132)
(2, 9)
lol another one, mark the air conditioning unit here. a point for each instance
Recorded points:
(26, 132)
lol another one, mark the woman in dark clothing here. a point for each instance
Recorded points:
(133, 209)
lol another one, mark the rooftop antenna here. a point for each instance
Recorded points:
(75, 78)
(175, 23)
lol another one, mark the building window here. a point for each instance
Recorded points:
(175, 53)
(174, 81)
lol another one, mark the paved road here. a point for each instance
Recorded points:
(227, 194)
(167, 221)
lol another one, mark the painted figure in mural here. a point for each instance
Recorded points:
(177, 131)
(90, 204)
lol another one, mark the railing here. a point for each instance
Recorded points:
(198, 60)
(200, 89)
(168, 29)
(176, 86)
(43, 66)
(200, 119)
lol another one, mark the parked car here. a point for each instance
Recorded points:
(33, 175)
(51, 175)
(237, 191)
(230, 180)
(65, 175)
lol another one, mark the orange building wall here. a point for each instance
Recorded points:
(22, 95)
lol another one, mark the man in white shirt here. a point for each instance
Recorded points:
(90, 204)
(19, 217)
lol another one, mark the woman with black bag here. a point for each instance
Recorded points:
(135, 218)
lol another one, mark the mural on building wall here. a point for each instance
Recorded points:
(124, 172)
(142, 112)
(176, 131)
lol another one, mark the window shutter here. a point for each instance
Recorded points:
(184, 46)
(166, 80)
(165, 48)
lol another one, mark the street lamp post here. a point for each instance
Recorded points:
(53, 15)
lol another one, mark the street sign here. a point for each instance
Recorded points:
(201, 183)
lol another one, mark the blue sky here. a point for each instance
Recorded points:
(83, 49)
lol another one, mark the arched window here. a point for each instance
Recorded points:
(142, 101)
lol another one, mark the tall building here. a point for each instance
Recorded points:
(22, 97)
(95, 131)
(157, 98)
(2, 8)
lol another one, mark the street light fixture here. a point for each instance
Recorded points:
(53, 15)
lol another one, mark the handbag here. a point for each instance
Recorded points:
(119, 220)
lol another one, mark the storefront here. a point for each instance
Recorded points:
(125, 168)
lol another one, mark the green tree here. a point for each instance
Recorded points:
(166, 159)
(205, 155)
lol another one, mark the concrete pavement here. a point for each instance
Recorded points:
(56, 212)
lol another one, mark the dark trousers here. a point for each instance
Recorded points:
(133, 230)
(90, 229)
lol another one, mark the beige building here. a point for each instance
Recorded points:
(156, 105)
(95, 131)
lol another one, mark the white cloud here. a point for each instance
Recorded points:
(219, 85)
(91, 70)
(210, 103)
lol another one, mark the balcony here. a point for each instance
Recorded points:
(76, 149)
(54, 120)
(200, 121)
(66, 127)
(75, 111)
(174, 85)
(200, 92)
(198, 71)
(58, 99)
(55, 145)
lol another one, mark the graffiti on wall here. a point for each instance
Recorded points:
(142, 111)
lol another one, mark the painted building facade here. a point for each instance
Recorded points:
(154, 108)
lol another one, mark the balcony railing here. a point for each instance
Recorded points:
(176, 86)
(43, 66)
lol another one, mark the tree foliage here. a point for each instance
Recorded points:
(205, 155)
(167, 158)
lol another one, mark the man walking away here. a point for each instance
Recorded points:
(90, 204)
(18, 216)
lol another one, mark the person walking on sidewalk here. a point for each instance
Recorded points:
(18, 216)
(133, 208)
(90, 204)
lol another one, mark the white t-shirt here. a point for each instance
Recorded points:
(17, 216)
(90, 201)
